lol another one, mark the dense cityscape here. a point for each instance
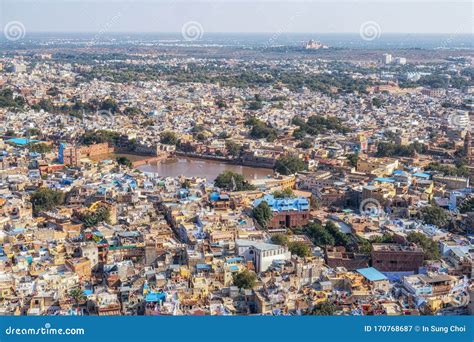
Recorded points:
(188, 177)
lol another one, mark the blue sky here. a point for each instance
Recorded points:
(322, 16)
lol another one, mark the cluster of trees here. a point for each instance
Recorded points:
(45, 199)
(437, 81)
(100, 136)
(353, 158)
(447, 170)
(7, 100)
(290, 165)
(323, 309)
(233, 148)
(237, 76)
(434, 215)
(318, 124)
(77, 296)
(329, 235)
(256, 104)
(123, 73)
(327, 84)
(91, 218)
(365, 246)
(388, 149)
(124, 161)
(467, 206)
(231, 181)
(169, 138)
(260, 130)
(220, 103)
(285, 193)
(376, 102)
(245, 279)
(297, 248)
(306, 143)
(78, 107)
(262, 213)
(430, 247)
(41, 148)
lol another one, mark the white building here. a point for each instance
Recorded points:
(387, 58)
(400, 60)
(19, 68)
(261, 254)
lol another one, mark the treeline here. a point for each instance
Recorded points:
(100, 136)
(78, 107)
(437, 81)
(260, 129)
(7, 100)
(230, 77)
(388, 149)
(447, 170)
(317, 125)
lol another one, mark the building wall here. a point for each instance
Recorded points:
(397, 261)
(290, 219)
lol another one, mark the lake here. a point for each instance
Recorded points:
(209, 169)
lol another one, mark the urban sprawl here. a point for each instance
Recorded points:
(343, 182)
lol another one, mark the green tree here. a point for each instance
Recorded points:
(232, 181)
(458, 171)
(323, 309)
(289, 165)
(305, 144)
(430, 247)
(132, 111)
(280, 239)
(220, 103)
(93, 218)
(169, 138)
(340, 238)
(261, 130)
(77, 296)
(467, 206)
(262, 213)
(34, 132)
(387, 149)
(41, 148)
(186, 184)
(299, 248)
(376, 102)
(285, 193)
(434, 215)
(8, 100)
(109, 105)
(100, 136)
(244, 279)
(233, 148)
(255, 105)
(45, 199)
(319, 235)
(353, 158)
(124, 161)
